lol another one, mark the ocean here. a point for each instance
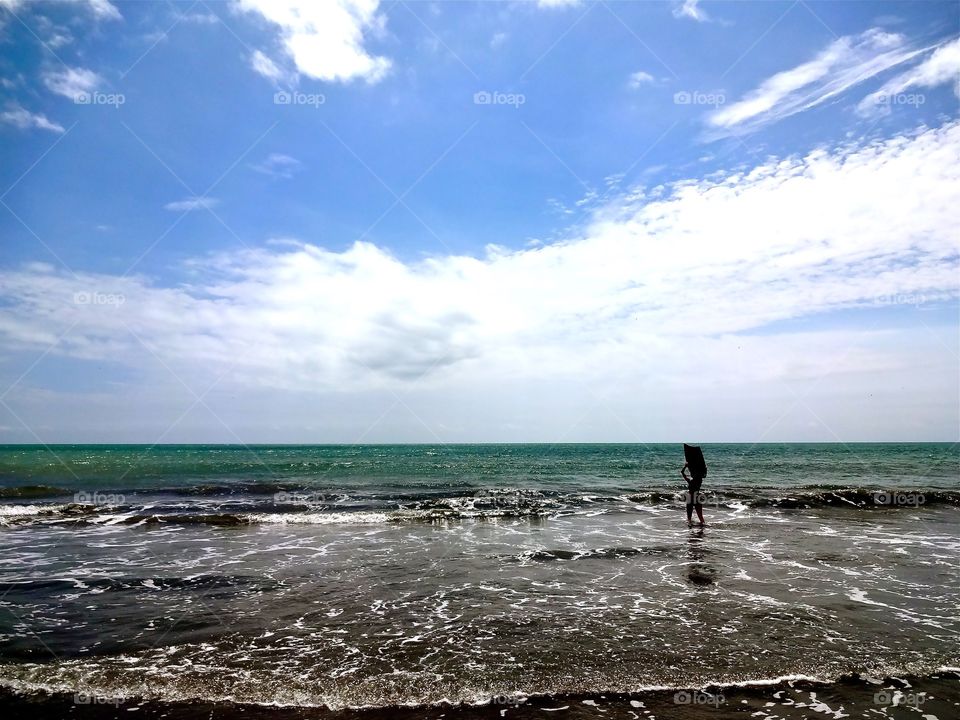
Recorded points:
(513, 581)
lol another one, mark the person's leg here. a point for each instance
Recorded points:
(690, 507)
(695, 499)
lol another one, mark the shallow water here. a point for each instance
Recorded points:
(353, 594)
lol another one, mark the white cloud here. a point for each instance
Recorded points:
(24, 119)
(101, 9)
(59, 39)
(942, 67)
(278, 165)
(846, 62)
(325, 40)
(556, 3)
(670, 296)
(191, 203)
(640, 78)
(72, 82)
(498, 39)
(690, 9)
(263, 65)
(54, 35)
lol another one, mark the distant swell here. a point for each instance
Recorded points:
(32, 491)
(301, 507)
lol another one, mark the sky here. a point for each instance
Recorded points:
(351, 221)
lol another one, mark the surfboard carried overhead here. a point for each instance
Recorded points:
(695, 462)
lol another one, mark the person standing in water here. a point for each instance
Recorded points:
(693, 494)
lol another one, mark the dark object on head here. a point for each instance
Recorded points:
(695, 461)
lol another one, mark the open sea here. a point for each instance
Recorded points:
(475, 581)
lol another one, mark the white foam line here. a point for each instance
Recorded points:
(24, 510)
(321, 518)
(20, 685)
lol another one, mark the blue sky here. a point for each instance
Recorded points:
(284, 221)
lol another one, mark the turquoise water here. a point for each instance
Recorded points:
(601, 467)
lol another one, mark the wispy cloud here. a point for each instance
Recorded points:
(101, 9)
(557, 3)
(844, 63)
(278, 165)
(191, 203)
(942, 67)
(263, 65)
(200, 18)
(640, 78)
(691, 10)
(325, 40)
(22, 118)
(72, 82)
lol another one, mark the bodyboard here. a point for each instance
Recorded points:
(695, 462)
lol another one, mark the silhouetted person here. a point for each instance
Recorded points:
(693, 495)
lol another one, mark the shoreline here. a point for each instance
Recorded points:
(937, 695)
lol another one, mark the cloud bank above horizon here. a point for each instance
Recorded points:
(661, 283)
